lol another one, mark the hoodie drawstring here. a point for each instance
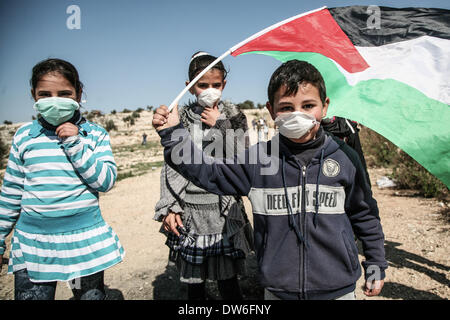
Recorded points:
(292, 223)
(316, 215)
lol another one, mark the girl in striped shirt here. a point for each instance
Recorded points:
(57, 166)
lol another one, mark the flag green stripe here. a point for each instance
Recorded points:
(412, 121)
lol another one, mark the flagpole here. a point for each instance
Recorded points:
(229, 51)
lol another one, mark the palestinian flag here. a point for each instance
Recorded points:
(386, 68)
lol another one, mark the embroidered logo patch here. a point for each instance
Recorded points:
(331, 168)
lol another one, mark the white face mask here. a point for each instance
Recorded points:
(209, 97)
(295, 124)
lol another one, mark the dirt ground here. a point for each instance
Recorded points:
(416, 231)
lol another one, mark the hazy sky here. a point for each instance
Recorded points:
(136, 53)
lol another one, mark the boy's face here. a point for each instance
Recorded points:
(306, 100)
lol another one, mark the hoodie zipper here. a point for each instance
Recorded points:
(303, 224)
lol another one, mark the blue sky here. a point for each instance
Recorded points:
(136, 53)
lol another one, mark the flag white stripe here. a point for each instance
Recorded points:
(422, 63)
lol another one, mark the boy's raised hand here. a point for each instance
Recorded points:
(163, 119)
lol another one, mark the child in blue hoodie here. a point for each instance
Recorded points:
(308, 190)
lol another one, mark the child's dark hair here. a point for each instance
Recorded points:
(291, 74)
(66, 69)
(200, 60)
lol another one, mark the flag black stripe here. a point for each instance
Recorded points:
(369, 28)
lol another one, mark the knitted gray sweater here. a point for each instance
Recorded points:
(177, 192)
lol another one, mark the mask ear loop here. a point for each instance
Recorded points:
(315, 122)
(83, 93)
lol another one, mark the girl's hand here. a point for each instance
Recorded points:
(163, 119)
(373, 288)
(210, 115)
(66, 129)
(171, 222)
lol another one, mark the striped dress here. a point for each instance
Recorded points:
(50, 193)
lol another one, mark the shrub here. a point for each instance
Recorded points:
(93, 114)
(247, 104)
(129, 119)
(378, 151)
(110, 125)
(7, 122)
(97, 113)
(113, 112)
(124, 175)
(126, 110)
(3, 152)
(89, 116)
(135, 114)
(407, 173)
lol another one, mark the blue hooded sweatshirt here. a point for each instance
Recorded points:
(305, 217)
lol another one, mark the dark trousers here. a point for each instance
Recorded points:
(229, 290)
(85, 288)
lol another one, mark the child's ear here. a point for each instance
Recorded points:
(79, 95)
(32, 94)
(191, 90)
(224, 84)
(325, 107)
(269, 107)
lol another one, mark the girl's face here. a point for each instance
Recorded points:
(53, 84)
(212, 79)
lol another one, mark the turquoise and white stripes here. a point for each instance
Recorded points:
(50, 189)
(65, 256)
